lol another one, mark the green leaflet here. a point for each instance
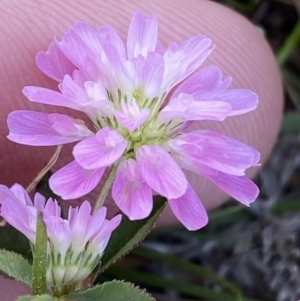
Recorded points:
(14, 265)
(109, 291)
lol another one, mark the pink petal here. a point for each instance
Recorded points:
(102, 150)
(240, 188)
(242, 101)
(150, 71)
(118, 72)
(81, 45)
(207, 79)
(131, 117)
(153, 75)
(80, 220)
(108, 35)
(142, 35)
(79, 225)
(89, 36)
(110, 225)
(49, 97)
(59, 234)
(67, 126)
(79, 78)
(39, 201)
(185, 108)
(34, 128)
(91, 97)
(130, 192)
(159, 48)
(72, 181)
(216, 151)
(225, 84)
(95, 91)
(6, 193)
(161, 172)
(186, 163)
(54, 63)
(131, 123)
(96, 222)
(52, 208)
(21, 194)
(103, 235)
(189, 210)
(183, 60)
(21, 217)
(75, 93)
(103, 244)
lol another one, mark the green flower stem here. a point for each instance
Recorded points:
(289, 45)
(39, 285)
(189, 267)
(180, 286)
(105, 188)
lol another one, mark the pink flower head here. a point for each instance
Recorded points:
(140, 98)
(75, 245)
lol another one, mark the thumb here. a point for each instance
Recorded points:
(241, 52)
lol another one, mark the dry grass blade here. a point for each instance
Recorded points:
(43, 172)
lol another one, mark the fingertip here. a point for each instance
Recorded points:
(241, 52)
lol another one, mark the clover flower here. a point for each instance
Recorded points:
(75, 245)
(140, 100)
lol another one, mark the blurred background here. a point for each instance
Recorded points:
(250, 254)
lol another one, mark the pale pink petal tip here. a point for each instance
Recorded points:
(240, 188)
(108, 227)
(189, 210)
(6, 193)
(54, 63)
(181, 61)
(22, 195)
(185, 108)
(130, 192)
(142, 35)
(72, 181)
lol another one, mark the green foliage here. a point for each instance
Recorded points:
(110, 291)
(129, 234)
(291, 122)
(14, 265)
(289, 45)
(179, 285)
(244, 6)
(15, 241)
(191, 269)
